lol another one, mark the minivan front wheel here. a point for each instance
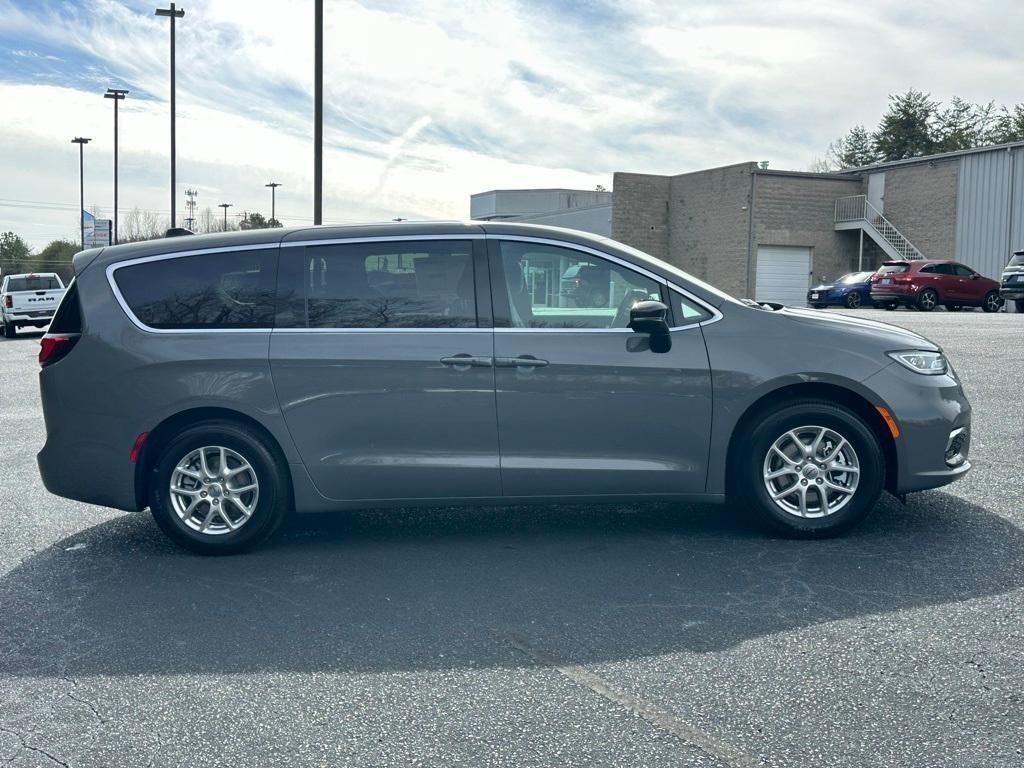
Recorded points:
(218, 489)
(812, 470)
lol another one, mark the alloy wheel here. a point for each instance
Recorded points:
(853, 300)
(993, 302)
(927, 300)
(214, 490)
(811, 472)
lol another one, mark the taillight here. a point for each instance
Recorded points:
(55, 346)
(901, 280)
(9, 301)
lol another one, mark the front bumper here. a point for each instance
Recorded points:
(1012, 291)
(930, 411)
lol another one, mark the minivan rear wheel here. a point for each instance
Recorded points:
(811, 470)
(217, 488)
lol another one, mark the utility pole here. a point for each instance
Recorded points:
(190, 203)
(273, 199)
(225, 206)
(172, 13)
(117, 94)
(318, 114)
(81, 183)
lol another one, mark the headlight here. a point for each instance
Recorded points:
(920, 361)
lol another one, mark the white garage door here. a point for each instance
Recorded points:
(783, 274)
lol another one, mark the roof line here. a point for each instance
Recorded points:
(931, 158)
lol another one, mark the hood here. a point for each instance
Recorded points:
(824, 287)
(891, 337)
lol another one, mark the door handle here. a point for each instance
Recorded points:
(463, 362)
(523, 361)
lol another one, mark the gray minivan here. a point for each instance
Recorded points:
(224, 381)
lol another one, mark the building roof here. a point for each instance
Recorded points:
(932, 158)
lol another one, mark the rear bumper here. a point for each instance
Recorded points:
(929, 410)
(883, 297)
(43, 316)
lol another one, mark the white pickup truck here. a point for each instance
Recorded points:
(29, 299)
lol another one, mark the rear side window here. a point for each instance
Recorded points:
(33, 283)
(233, 289)
(393, 284)
(68, 317)
(893, 269)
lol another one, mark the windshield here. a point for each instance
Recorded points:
(855, 277)
(1017, 260)
(892, 269)
(33, 283)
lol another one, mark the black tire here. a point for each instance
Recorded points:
(854, 300)
(927, 300)
(1019, 304)
(954, 307)
(271, 504)
(992, 302)
(10, 330)
(751, 463)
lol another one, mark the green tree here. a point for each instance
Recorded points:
(14, 252)
(56, 257)
(1007, 126)
(855, 149)
(958, 126)
(257, 221)
(906, 127)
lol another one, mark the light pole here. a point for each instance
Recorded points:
(81, 183)
(318, 113)
(225, 206)
(273, 199)
(172, 13)
(117, 94)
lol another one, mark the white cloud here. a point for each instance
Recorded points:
(428, 102)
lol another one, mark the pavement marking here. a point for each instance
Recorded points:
(659, 718)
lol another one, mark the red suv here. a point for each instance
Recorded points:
(926, 283)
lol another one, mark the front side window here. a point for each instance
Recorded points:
(230, 289)
(392, 284)
(961, 271)
(553, 287)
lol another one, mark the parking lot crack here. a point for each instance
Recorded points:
(689, 734)
(33, 748)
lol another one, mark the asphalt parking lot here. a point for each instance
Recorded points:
(648, 635)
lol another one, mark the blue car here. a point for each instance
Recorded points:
(852, 290)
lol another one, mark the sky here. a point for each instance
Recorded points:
(428, 102)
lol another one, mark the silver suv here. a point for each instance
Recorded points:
(225, 381)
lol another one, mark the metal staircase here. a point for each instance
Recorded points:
(855, 212)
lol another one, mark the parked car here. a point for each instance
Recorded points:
(1012, 287)
(852, 290)
(587, 284)
(29, 299)
(926, 283)
(225, 381)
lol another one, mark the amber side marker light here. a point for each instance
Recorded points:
(889, 420)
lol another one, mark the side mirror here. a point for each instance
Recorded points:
(975, 276)
(651, 317)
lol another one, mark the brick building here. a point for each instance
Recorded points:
(769, 234)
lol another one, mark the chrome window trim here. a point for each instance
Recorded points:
(716, 315)
(382, 330)
(112, 268)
